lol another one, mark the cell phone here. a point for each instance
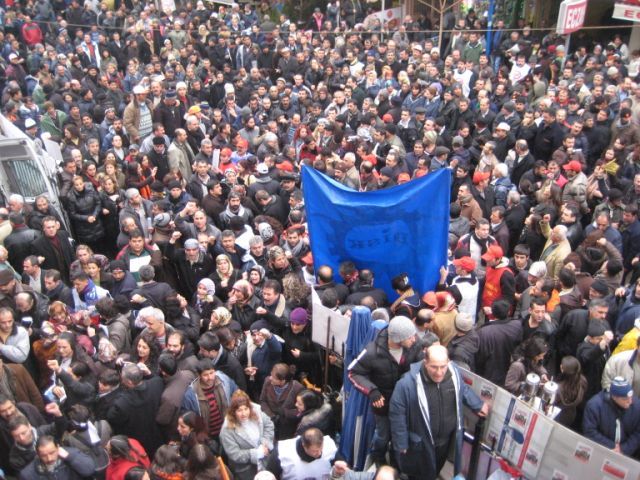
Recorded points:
(27, 322)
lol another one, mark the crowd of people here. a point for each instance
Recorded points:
(158, 326)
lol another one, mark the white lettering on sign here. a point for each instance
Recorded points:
(575, 17)
(571, 16)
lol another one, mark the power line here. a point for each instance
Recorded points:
(433, 31)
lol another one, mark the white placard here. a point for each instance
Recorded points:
(53, 149)
(324, 319)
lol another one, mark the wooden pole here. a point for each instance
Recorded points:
(326, 355)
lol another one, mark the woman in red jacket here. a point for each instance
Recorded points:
(125, 454)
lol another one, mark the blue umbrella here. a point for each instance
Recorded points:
(358, 424)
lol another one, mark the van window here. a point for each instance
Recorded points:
(24, 177)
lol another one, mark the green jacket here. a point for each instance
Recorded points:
(472, 52)
(54, 127)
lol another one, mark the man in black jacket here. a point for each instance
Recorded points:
(573, 327)
(366, 289)
(549, 135)
(55, 461)
(134, 413)
(190, 262)
(151, 293)
(498, 340)
(9, 410)
(19, 241)
(228, 364)
(377, 369)
(271, 205)
(55, 247)
(24, 435)
(326, 282)
(523, 162)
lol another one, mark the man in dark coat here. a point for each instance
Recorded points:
(134, 413)
(54, 461)
(376, 370)
(56, 248)
(190, 262)
(10, 409)
(176, 384)
(23, 450)
(326, 282)
(549, 135)
(593, 354)
(483, 192)
(498, 340)
(572, 328)
(150, 292)
(19, 241)
(366, 289)
(523, 162)
(271, 205)
(605, 410)
(227, 363)
(630, 235)
(170, 112)
(424, 424)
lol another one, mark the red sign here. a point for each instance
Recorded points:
(571, 16)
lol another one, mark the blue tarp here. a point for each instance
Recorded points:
(391, 231)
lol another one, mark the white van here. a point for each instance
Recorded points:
(26, 169)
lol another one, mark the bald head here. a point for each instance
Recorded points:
(436, 362)
(386, 472)
(559, 233)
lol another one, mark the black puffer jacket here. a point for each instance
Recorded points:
(83, 205)
(375, 372)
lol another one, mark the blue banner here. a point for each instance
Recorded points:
(391, 231)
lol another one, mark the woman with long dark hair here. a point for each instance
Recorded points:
(168, 464)
(529, 360)
(145, 350)
(90, 174)
(202, 464)
(135, 178)
(125, 453)
(572, 387)
(313, 411)
(192, 431)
